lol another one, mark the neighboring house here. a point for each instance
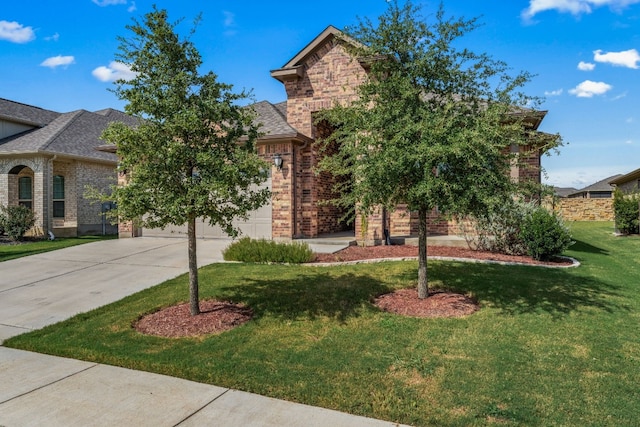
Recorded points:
(600, 190)
(563, 192)
(317, 77)
(628, 183)
(46, 160)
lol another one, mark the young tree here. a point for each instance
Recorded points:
(433, 123)
(184, 160)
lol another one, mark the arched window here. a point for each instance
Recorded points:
(58, 196)
(25, 191)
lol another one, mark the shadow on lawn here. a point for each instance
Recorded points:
(580, 246)
(519, 290)
(311, 295)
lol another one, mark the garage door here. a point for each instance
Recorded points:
(257, 226)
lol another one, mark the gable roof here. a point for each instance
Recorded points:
(76, 134)
(25, 114)
(621, 179)
(272, 119)
(600, 186)
(294, 67)
(564, 191)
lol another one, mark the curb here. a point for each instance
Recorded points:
(574, 262)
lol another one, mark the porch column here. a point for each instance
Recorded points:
(42, 183)
(370, 230)
(4, 189)
(282, 189)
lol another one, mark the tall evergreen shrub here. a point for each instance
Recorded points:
(627, 212)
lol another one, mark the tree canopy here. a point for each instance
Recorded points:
(433, 124)
(192, 154)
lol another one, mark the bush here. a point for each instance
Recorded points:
(17, 220)
(626, 211)
(544, 234)
(3, 220)
(248, 250)
(500, 230)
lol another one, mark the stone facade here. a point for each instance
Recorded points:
(580, 209)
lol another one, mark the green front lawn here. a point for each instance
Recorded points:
(17, 250)
(550, 347)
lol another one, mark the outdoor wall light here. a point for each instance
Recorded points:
(277, 161)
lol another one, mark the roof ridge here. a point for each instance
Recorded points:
(29, 105)
(73, 115)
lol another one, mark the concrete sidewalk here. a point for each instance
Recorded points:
(37, 389)
(40, 390)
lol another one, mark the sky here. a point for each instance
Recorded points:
(584, 54)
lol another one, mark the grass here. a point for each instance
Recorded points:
(32, 247)
(550, 347)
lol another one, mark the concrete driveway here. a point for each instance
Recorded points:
(37, 389)
(39, 290)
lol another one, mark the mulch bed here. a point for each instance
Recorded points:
(177, 321)
(357, 253)
(218, 316)
(405, 302)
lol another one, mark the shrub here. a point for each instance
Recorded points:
(499, 230)
(544, 234)
(3, 220)
(17, 221)
(626, 211)
(249, 250)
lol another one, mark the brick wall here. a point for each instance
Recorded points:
(529, 165)
(282, 185)
(330, 76)
(126, 229)
(370, 230)
(89, 215)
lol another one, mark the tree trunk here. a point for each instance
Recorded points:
(423, 286)
(194, 297)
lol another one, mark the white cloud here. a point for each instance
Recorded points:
(630, 120)
(57, 61)
(132, 7)
(574, 7)
(586, 66)
(587, 89)
(103, 3)
(553, 92)
(229, 23)
(15, 32)
(622, 95)
(54, 37)
(115, 71)
(229, 19)
(627, 58)
(580, 177)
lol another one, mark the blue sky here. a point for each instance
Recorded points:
(584, 53)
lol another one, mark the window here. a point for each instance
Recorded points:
(25, 192)
(58, 196)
